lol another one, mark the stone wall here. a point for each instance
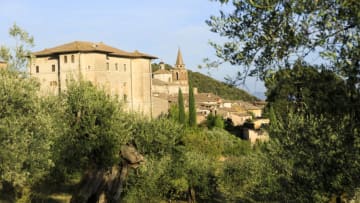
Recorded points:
(128, 78)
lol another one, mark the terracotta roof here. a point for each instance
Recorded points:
(199, 98)
(232, 112)
(161, 71)
(138, 54)
(207, 97)
(81, 46)
(158, 82)
(248, 106)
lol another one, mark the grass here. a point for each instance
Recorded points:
(52, 192)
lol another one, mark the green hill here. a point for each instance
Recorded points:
(207, 84)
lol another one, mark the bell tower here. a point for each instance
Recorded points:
(179, 73)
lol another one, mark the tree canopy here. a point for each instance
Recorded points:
(307, 52)
(17, 57)
(306, 88)
(182, 118)
(27, 132)
(192, 107)
(266, 35)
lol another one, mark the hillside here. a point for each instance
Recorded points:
(207, 84)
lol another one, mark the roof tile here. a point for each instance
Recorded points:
(82, 46)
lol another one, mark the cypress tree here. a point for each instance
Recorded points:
(181, 107)
(192, 108)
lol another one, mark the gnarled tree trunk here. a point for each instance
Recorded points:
(106, 186)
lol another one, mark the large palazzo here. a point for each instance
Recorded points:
(121, 73)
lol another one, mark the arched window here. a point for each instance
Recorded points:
(177, 76)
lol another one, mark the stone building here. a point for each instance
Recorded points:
(166, 84)
(121, 73)
(169, 81)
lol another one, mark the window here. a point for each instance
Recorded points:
(72, 59)
(116, 67)
(107, 57)
(125, 97)
(177, 76)
(53, 83)
(107, 67)
(65, 59)
(124, 67)
(37, 69)
(53, 68)
(89, 67)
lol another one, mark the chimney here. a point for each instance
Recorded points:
(162, 65)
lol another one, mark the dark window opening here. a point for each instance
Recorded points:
(37, 69)
(53, 83)
(53, 68)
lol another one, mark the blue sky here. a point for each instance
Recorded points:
(156, 27)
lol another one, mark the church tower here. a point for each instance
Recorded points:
(179, 73)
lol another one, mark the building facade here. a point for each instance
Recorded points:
(170, 81)
(121, 73)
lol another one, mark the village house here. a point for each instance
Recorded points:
(166, 85)
(121, 73)
(170, 81)
(254, 130)
(255, 135)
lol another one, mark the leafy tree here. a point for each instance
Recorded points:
(320, 155)
(214, 121)
(180, 165)
(267, 35)
(242, 177)
(96, 127)
(158, 140)
(157, 137)
(156, 66)
(173, 113)
(181, 107)
(203, 151)
(26, 133)
(192, 107)
(17, 57)
(305, 88)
